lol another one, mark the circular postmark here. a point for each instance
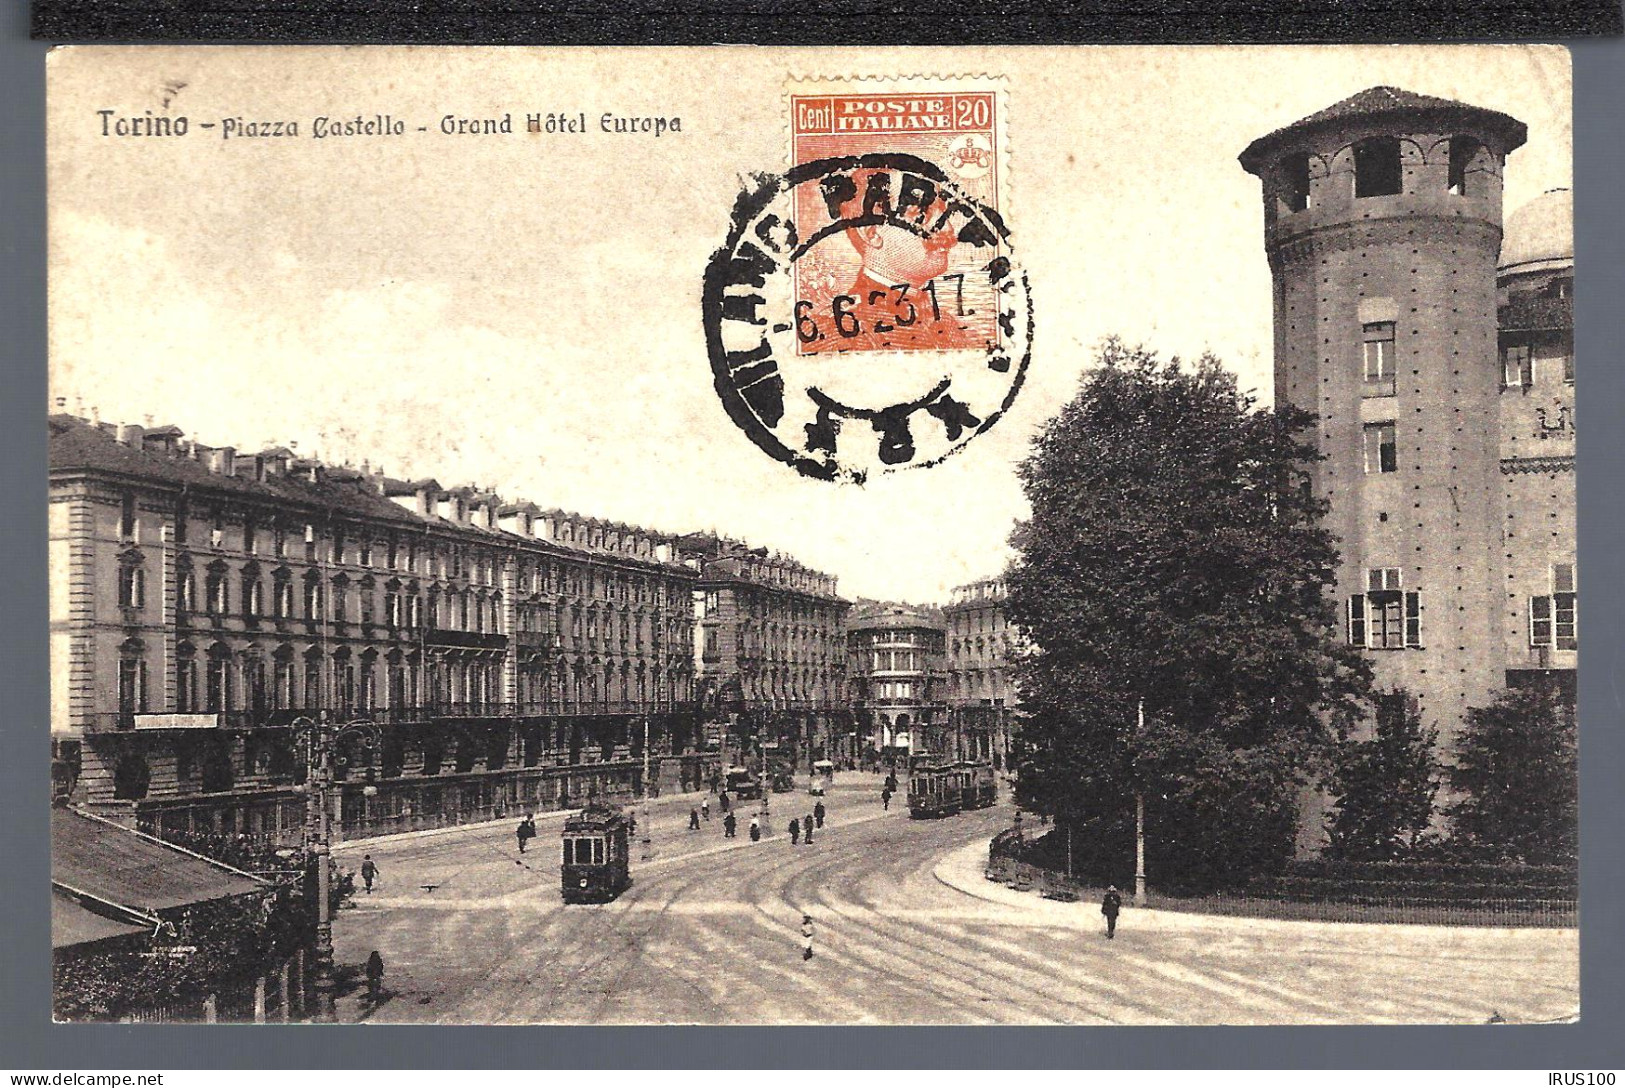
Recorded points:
(865, 315)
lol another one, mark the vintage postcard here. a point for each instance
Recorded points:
(813, 536)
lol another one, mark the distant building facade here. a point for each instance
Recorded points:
(1437, 354)
(981, 690)
(770, 651)
(206, 603)
(898, 679)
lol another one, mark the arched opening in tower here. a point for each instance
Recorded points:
(1462, 151)
(1376, 167)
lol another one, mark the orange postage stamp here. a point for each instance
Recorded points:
(898, 277)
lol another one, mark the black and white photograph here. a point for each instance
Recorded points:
(813, 536)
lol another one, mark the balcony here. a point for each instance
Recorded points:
(536, 641)
(440, 638)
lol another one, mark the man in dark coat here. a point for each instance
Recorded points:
(807, 829)
(818, 814)
(523, 833)
(369, 872)
(729, 826)
(1109, 906)
(375, 978)
(795, 832)
(885, 800)
(693, 819)
(722, 800)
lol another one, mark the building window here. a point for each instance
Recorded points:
(1381, 453)
(313, 598)
(1377, 170)
(366, 552)
(132, 586)
(185, 681)
(1554, 618)
(1385, 617)
(217, 683)
(1378, 351)
(132, 685)
(250, 537)
(127, 523)
(253, 597)
(216, 594)
(1517, 367)
(282, 597)
(1462, 150)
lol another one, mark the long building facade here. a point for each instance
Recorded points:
(1437, 354)
(770, 653)
(207, 605)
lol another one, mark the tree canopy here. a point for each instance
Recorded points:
(1385, 785)
(1175, 555)
(1517, 769)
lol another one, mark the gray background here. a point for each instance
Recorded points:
(28, 1041)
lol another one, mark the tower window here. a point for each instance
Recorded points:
(1517, 367)
(1381, 453)
(1462, 151)
(1554, 618)
(1295, 181)
(1385, 617)
(1376, 167)
(1379, 358)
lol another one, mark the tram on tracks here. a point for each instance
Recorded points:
(596, 863)
(743, 783)
(944, 789)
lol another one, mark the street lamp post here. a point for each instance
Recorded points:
(1139, 820)
(321, 746)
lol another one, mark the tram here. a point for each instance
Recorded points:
(934, 791)
(946, 789)
(978, 789)
(595, 867)
(743, 783)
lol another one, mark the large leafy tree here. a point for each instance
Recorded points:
(1385, 785)
(1517, 769)
(1175, 559)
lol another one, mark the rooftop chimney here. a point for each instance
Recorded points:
(131, 434)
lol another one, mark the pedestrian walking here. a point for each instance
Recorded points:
(693, 819)
(729, 826)
(525, 831)
(755, 829)
(375, 978)
(795, 832)
(806, 937)
(885, 800)
(807, 829)
(722, 800)
(818, 814)
(1109, 906)
(705, 809)
(369, 872)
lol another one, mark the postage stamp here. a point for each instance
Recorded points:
(867, 313)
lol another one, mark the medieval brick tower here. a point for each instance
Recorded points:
(1382, 222)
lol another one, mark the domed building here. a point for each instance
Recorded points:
(1535, 293)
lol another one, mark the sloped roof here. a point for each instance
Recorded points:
(1378, 102)
(74, 923)
(124, 867)
(75, 444)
